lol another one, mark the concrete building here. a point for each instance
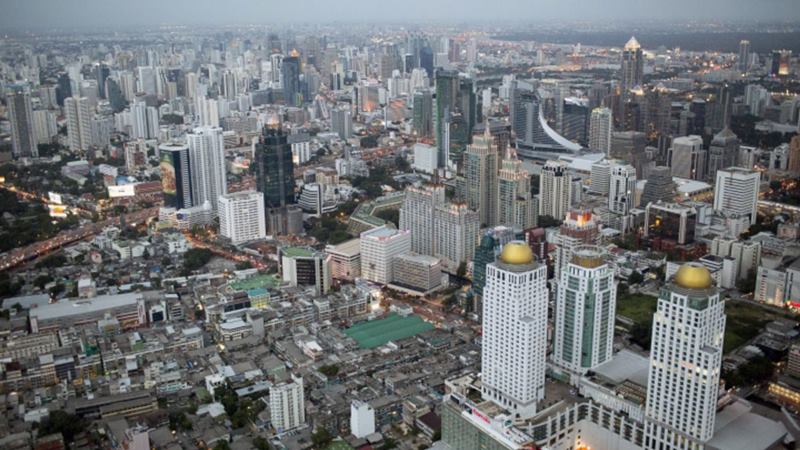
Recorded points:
(659, 187)
(555, 190)
(670, 221)
(514, 347)
(580, 227)
(305, 267)
(127, 309)
(601, 177)
(456, 228)
(362, 419)
(20, 113)
(241, 216)
(600, 128)
(516, 206)
(688, 158)
(417, 216)
(207, 161)
(622, 189)
(425, 158)
(79, 120)
(379, 246)
(420, 274)
(287, 405)
(736, 191)
(480, 174)
(345, 260)
(585, 312)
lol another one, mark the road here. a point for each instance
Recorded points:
(218, 250)
(21, 255)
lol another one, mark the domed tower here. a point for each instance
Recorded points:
(685, 359)
(515, 330)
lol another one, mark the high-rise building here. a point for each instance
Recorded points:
(629, 146)
(176, 175)
(794, 155)
(379, 246)
(632, 65)
(685, 360)
(528, 122)
(79, 123)
(671, 222)
(241, 216)
(736, 191)
(585, 312)
(601, 177)
(146, 80)
(135, 155)
(744, 55)
(688, 158)
(659, 186)
(516, 206)
(207, 111)
(722, 152)
(455, 107)
(480, 173)
(580, 227)
(555, 189)
(622, 189)
(290, 80)
(20, 113)
(342, 121)
(287, 405)
(274, 167)
(456, 228)
(301, 266)
(514, 347)
(756, 97)
(600, 127)
(417, 216)
(45, 127)
(423, 112)
(207, 160)
(781, 63)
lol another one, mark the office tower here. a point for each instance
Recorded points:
(101, 128)
(79, 119)
(600, 128)
(516, 206)
(744, 55)
(480, 174)
(455, 228)
(685, 359)
(146, 80)
(632, 65)
(379, 246)
(722, 152)
(45, 127)
(342, 121)
(756, 97)
(241, 216)
(139, 126)
(423, 113)
(671, 222)
(580, 227)
(116, 99)
(629, 146)
(585, 312)
(207, 111)
(688, 157)
(274, 167)
(207, 159)
(303, 266)
(659, 186)
(555, 190)
(781, 63)
(135, 155)
(529, 124)
(417, 273)
(622, 189)
(230, 86)
(101, 72)
(287, 405)
(514, 343)
(736, 192)
(290, 80)
(425, 158)
(63, 88)
(794, 155)
(127, 85)
(417, 216)
(20, 113)
(176, 175)
(600, 177)
(455, 98)
(574, 119)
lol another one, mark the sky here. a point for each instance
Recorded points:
(90, 13)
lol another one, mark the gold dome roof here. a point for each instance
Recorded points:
(516, 252)
(693, 276)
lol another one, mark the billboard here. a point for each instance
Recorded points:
(125, 190)
(59, 211)
(168, 179)
(55, 198)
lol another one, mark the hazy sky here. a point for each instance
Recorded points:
(24, 13)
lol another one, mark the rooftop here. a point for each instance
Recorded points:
(394, 327)
(297, 252)
(260, 281)
(88, 306)
(346, 248)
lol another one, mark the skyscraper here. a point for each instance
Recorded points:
(274, 167)
(20, 113)
(685, 359)
(722, 152)
(207, 111)
(585, 312)
(423, 113)
(176, 175)
(207, 160)
(342, 121)
(417, 216)
(622, 189)
(659, 187)
(600, 128)
(632, 65)
(290, 80)
(555, 190)
(456, 228)
(580, 227)
(514, 344)
(688, 158)
(736, 192)
(744, 55)
(241, 216)
(379, 246)
(794, 155)
(455, 97)
(516, 206)
(287, 405)
(79, 120)
(480, 174)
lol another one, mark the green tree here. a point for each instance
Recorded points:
(330, 370)
(462, 269)
(635, 277)
(259, 443)
(222, 445)
(321, 438)
(196, 258)
(42, 280)
(390, 215)
(747, 285)
(68, 425)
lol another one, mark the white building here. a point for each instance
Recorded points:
(79, 120)
(555, 190)
(417, 216)
(600, 177)
(241, 216)
(456, 231)
(207, 111)
(207, 161)
(585, 312)
(345, 259)
(378, 247)
(685, 359)
(736, 191)
(688, 158)
(425, 158)
(600, 128)
(362, 419)
(515, 331)
(45, 127)
(287, 405)
(622, 189)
